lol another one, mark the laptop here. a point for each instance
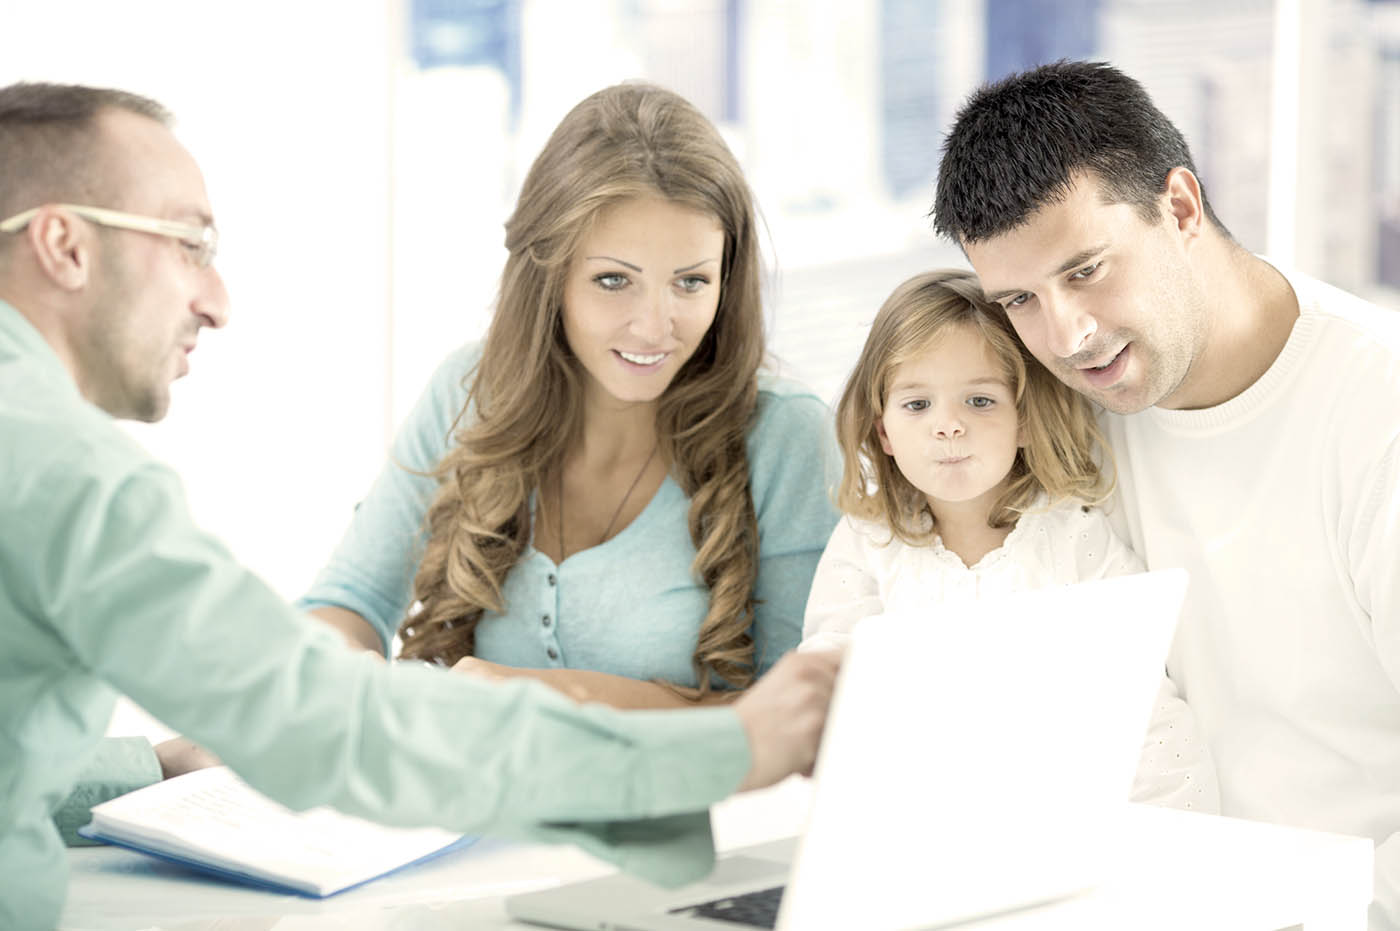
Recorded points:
(974, 764)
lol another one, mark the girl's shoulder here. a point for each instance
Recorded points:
(1065, 523)
(1078, 535)
(870, 535)
(1069, 512)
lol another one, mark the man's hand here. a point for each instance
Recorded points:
(783, 716)
(180, 755)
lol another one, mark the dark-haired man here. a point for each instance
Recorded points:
(1254, 415)
(106, 280)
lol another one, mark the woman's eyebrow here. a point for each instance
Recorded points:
(608, 258)
(696, 265)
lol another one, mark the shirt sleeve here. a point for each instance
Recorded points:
(1099, 552)
(371, 569)
(1175, 769)
(1372, 549)
(119, 765)
(792, 462)
(162, 612)
(845, 590)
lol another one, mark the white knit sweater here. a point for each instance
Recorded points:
(1284, 505)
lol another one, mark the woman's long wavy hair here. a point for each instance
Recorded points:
(1060, 437)
(525, 395)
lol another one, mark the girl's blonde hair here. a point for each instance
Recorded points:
(626, 141)
(1057, 425)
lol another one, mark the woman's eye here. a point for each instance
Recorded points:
(692, 283)
(611, 281)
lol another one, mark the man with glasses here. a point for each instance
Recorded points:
(106, 279)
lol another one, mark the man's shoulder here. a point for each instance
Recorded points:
(1352, 322)
(42, 433)
(1353, 372)
(59, 469)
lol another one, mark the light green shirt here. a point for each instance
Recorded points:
(119, 765)
(106, 585)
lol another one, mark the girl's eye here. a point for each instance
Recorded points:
(980, 402)
(915, 406)
(690, 284)
(610, 281)
(1086, 272)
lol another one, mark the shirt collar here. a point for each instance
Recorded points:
(21, 342)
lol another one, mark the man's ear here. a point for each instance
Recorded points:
(62, 247)
(1185, 205)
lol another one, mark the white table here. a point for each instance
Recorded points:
(1181, 871)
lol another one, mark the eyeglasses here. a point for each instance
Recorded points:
(202, 241)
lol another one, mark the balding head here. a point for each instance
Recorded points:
(52, 148)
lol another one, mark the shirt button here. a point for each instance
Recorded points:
(551, 578)
(545, 620)
(552, 653)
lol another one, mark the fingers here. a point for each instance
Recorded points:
(785, 713)
(180, 755)
(819, 681)
(817, 669)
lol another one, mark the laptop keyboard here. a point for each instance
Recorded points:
(756, 909)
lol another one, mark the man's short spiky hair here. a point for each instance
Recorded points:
(1017, 144)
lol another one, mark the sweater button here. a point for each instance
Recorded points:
(544, 619)
(552, 653)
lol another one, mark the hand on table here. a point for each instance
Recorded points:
(181, 755)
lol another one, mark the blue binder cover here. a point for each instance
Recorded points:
(256, 881)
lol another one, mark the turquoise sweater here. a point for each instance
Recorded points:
(630, 606)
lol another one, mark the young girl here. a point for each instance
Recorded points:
(971, 470)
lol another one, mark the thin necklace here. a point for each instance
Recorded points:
(559, 503)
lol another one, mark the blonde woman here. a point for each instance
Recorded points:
(970, 470)
(605, 494)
